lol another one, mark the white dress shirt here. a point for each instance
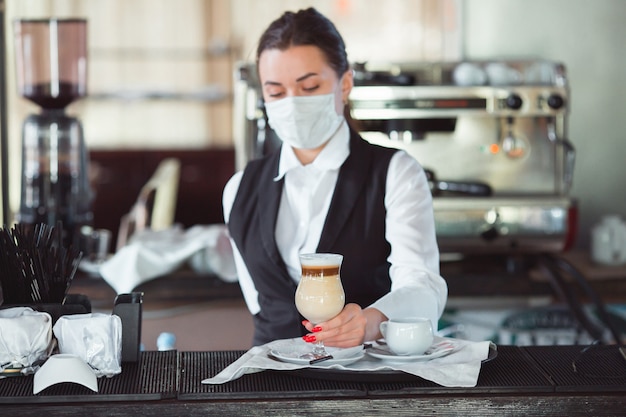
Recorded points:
(417, 289)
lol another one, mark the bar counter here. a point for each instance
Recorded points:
(528, 381)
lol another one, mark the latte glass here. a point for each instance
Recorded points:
(320, 295)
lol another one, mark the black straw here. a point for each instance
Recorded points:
(35, 266)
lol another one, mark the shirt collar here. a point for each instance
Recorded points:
(331, 157)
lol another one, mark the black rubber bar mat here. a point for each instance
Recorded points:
(598, 368)
(154, 377)
(515, 372)
(196, 366)
(511, 371)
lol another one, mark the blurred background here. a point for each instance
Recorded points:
(160, 72)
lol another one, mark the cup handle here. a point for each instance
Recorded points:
(383, 328)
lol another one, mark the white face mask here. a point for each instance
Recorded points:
(304, 122)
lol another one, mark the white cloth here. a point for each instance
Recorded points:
(151, 254)
(25, 337)
(95, 338)
(460, 368)
(417, 289)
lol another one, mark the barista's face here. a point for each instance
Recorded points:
(301, 71)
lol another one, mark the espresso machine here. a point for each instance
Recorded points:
(51, 58)
(491, 135)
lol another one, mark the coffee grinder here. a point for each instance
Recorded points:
(51, 57)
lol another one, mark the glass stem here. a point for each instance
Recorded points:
(319, 349)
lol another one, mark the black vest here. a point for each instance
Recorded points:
(354, 227)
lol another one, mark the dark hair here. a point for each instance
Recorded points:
(306, 27)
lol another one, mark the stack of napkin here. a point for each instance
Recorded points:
(459, 368)
(25, 338)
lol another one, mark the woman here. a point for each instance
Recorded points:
(328, 190)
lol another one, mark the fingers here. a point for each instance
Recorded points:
(344, 339)
(347, 329)
(308, 325)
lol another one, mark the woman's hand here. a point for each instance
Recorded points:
(351, 327)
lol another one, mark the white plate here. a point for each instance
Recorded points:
(291, 350)
(300, 361)
(437, 350)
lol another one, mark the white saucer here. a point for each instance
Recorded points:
(291, 350)
(437, 350)
(64, 368)
(300, 361)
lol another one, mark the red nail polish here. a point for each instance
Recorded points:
(317, 329)
(307, 338)
(312, 339)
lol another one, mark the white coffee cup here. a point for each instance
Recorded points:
(410, 336)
